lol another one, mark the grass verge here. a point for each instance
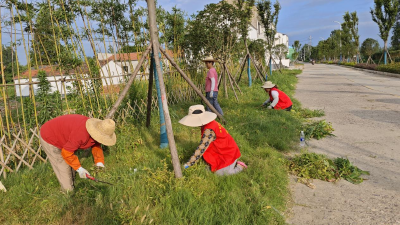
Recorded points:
(145, 190)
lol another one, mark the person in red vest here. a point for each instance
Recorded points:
(217, 146)
(63, 135)
(277, 98)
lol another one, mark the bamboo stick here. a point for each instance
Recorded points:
(242, 67)
(230, 81)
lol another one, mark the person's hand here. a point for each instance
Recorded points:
(82, 172)
(100, 164)
(185, 166)
(211, 94)
(269, 107)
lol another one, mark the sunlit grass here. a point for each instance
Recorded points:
(145, 189)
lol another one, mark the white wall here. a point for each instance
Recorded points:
(104, 56)
(55, 86)
(281, 39)
(252, 33)
(112, 74)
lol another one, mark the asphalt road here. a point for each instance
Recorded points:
(364, 109)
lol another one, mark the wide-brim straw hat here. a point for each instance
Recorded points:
(102, 131)
(209, 59)
(268, 84)
(197, 117)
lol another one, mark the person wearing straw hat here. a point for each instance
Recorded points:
(212, 84)
(277, 98)
(63, 135)
(217, 146)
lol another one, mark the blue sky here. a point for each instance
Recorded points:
(299, 19)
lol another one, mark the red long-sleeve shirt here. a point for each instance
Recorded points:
(69, 134)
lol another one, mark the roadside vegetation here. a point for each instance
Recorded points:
(318, 129)
(144, 189)
(317, 166)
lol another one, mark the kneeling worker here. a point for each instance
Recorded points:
(217, 147)
(63, 135)
(277, 98)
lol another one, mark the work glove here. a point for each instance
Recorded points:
(82, 172)
(211, 94)
(100, 164)
(270, 107)
(185, 166)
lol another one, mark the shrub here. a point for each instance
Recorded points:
(349, 64)
(366, 66)
(391, 68)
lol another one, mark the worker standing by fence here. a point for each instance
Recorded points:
(63, 135)
(212, 84)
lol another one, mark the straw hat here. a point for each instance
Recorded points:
(197, 117)
(209, 59)
(102, 131)
(268, 84)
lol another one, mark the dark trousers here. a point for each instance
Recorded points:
(214, 102)
(288, 108)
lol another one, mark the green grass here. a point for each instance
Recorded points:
(308, 113)
(152, 194)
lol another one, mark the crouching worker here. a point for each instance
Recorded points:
(63, 135)
(277, 98)
(217, 147)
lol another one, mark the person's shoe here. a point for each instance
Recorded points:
(242, 164)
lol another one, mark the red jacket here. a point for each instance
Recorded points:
(223, 151)
(284, 100)
(69, 134)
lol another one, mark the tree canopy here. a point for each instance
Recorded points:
(369, 47)
(269, 18)
(384, 14)
(213, 31)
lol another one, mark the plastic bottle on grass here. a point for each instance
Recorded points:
(302, 139)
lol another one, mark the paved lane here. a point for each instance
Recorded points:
(364, 109)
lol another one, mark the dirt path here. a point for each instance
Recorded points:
(365, 112)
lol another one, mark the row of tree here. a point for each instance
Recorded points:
(344, 44)
(58, 30)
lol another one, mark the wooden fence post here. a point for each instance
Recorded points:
(154, 40)
(149, 95)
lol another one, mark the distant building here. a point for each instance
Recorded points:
(62, 81)
(114, 70)
(257, 31)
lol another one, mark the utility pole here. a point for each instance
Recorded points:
(340, 40)
(309, 44)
